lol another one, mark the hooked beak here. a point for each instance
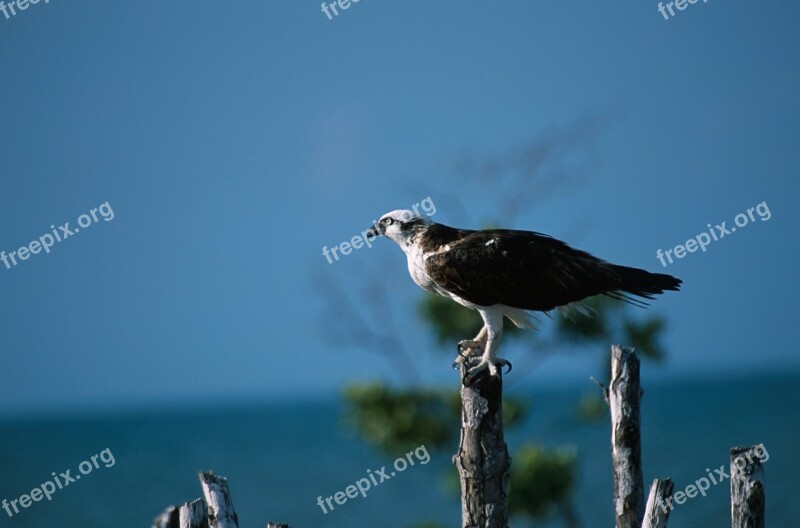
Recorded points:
(374, 231)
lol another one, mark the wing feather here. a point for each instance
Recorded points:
(522, 269)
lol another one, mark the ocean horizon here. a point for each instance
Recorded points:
(280, 457)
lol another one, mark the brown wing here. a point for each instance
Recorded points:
(521, 269)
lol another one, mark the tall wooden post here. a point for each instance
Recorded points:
(624, 395)
(482, 460)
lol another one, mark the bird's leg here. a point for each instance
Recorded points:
(493, 332)
(488, 361)
(467, 344)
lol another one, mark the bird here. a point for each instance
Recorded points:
(507, 273)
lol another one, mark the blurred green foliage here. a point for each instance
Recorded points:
(397, 421)
(592, 407)
(541, 479)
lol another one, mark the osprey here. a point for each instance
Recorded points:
(508, 273)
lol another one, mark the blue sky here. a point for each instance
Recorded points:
(234, 142)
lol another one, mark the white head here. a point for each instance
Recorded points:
(401, 226)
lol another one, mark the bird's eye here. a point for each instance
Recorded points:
(388, 221)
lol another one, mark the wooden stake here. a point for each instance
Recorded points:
(624, 395)
(482, 459)
(747, 487)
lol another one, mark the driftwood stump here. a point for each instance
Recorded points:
(216, 511)
(624, 395)
(747, 487)
(482, 460)
(193, 515)
(656, 513)
(220, 507)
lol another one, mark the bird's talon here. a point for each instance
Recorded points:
(459, 360)
(483, 365)
(468, 378)
(504, 363)
(473, 372)
(467, 344)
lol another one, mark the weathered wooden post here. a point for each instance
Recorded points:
(624, 395)
(193, 515)
(216, 511)
(656, 513)
(220, 507)
(482, 460)
(747, 487)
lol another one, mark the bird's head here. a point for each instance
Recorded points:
(400, 226)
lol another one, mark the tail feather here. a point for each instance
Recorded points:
(642, 283)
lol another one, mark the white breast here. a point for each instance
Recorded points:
(416, 268)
